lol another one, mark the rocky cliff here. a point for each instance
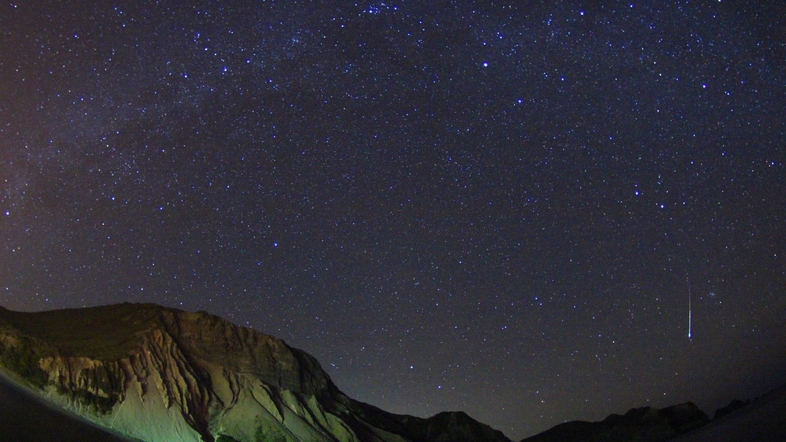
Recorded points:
(155, 373)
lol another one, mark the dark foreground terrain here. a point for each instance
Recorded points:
(760, 420)
(764, 420)
(24, 418)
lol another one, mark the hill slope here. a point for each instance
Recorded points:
(156, 373)
(763, 420)
(644, 424)
(49, 423)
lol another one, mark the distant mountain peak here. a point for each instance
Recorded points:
(645, 424)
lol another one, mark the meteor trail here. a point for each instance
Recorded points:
(689, 308)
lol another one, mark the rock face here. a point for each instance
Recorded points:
(640, 424)
(155, 373)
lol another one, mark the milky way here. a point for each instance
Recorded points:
(453, 206)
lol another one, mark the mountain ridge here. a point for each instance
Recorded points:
(153, 372)
(646, 424)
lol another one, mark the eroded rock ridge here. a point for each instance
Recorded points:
(155, 373)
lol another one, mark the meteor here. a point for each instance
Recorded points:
(689, 308)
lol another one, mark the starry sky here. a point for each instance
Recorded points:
(495, 207)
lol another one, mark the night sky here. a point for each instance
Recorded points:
(496, 208)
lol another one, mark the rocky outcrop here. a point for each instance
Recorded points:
(163, 374)
(86, 381)
(640, 424)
